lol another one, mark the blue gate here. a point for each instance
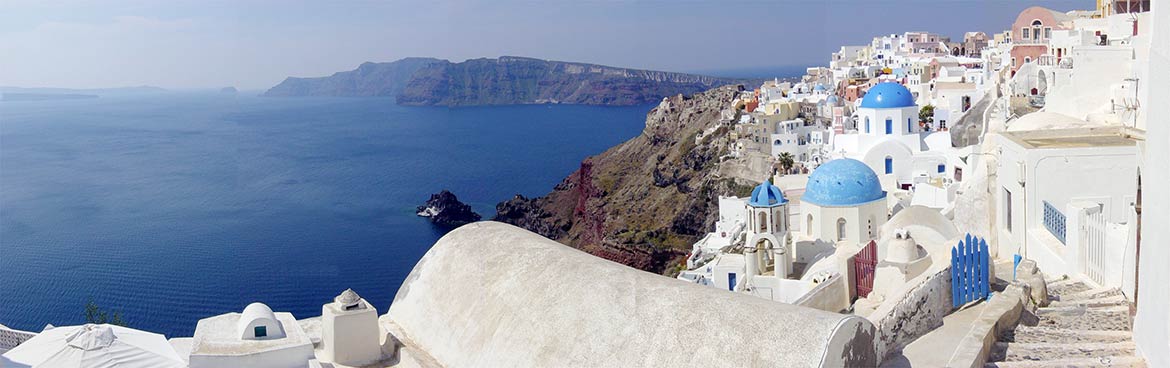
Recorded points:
(970, 274)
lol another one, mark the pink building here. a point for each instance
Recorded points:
(1032, 31)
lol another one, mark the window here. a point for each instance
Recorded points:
(909, 125)
(763, 222)
(261, 331)
(840, 229)
(889, 165)
(779, 225)
(809, 225)
(867, 124)
(1007, 209)
(889, 126)
(1048, 33)
(942, 168)
(1027, 33)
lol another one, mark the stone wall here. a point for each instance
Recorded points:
(831, 295)
(923, 302)
(491, 294)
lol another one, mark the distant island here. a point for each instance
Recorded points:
(507, 80)
(228, 89)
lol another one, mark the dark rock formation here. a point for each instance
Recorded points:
(369, 79)
(644, 202)
(512, 80)
(444, 209)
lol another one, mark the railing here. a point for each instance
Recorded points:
(1054, 221)
(10, 339)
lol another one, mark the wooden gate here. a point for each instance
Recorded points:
(970, 278)
(864, 264)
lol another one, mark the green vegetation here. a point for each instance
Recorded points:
(926, 114)
(95, 314)
(786, 162)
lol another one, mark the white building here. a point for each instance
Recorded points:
(1067, 201)
(255, 338)
(889, 139)
(843, 204)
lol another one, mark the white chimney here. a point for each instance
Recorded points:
(350, 331)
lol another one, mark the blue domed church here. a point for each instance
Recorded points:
(888, 138)
(843, 204)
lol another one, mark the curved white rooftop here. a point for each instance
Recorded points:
(493, 295)
(258, 314)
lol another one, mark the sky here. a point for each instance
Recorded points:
(254, 44)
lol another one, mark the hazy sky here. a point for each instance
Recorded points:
(256, 44)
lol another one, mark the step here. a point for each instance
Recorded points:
(1012, 352)
(1103, 362)
(1082, 318)
(1058, 290)
(1059, 283)
(1088, 306)
(1029, 334)
(1098, 293)
(1111, 300)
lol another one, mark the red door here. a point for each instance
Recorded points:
(864, 264)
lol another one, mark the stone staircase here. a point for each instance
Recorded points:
(1082, 326)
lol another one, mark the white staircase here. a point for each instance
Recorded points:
(1081, 327)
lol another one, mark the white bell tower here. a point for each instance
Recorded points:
(767, 211)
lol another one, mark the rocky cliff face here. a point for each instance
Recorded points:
(369, 79)
(643, 202)
(516, 80)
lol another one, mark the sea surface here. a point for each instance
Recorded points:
(177, 206)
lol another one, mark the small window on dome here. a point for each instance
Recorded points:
(261, 331)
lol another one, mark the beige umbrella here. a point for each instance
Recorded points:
(93, 346)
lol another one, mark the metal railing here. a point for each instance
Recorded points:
(1054, 221)
(10, 339)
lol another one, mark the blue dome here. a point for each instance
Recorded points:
(767, 195)
(819, 87)
(843, 183)
(887, 95)
(832, 100)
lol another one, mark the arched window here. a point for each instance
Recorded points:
(909, 125)
(779, 220)
(867, 124)
(889, 165)
(841, 229)
(763, 221)
(889, 126)
(808, 225)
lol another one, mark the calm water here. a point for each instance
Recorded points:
(179, 206)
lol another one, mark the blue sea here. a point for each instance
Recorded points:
(177, 206)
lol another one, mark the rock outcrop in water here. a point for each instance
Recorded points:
(444, 209)
(369, 79)
(644, 202)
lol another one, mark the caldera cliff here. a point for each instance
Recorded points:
(644, 202)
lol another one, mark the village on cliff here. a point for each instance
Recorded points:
(929, 202)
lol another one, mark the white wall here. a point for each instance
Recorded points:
(1104, 175)
(1152, 324)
